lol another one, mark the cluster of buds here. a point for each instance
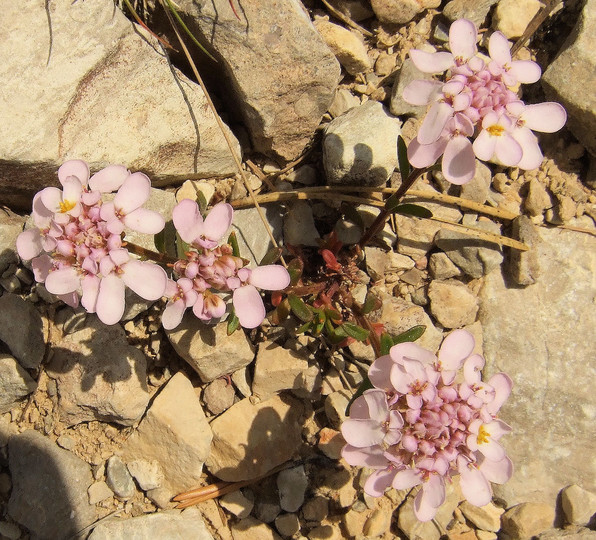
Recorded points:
(210, 266)
(477, 98)
(419, 425)
(76, 245)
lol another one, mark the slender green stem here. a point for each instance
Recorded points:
(379, 222)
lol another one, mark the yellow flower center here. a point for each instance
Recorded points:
(66, 206)
(496, 130)
(483, 435)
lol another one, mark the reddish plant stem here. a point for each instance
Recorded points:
(379, 222)
(160, 258)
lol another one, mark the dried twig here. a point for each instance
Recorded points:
(343, 17)
(535, 23)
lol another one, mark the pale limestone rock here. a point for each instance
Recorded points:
(148, 474)
(478, 189)
(99, 491)
(407, 73)
(22, 330)
(175, 433)
(537, 200)
(98, 374)
(250, 440)
(359, 146)
(579, 505)
(117, 100)
(513, 16)
(474, 10)
(299, 225)
(282, 105)
(277, 369)
(49, 487)
(208, 349)
(15, 383)
(190, 189)
(218, 396)
(487, 517)
(237, 503)
(379, 521)
(252, 529)
(400, 11)
(336, 404)
(347, 46)
(172, 525)
(527, 519)
(452, 303)
(441, 266)
(11, 225)
(331, 443)
(553, 400)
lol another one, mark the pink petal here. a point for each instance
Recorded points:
(29, 244)
(362, 433)
(499, 49)
(218, 221)
(498, 472)
(41, 267)
(187, 220)
(249, 307)
(423, 510)
(532, 155)
(90, 287)
(492, 450)
(63, 281)
(120, 256)
(144, 221)
(110, 299)
(424, 155)
(474, 484)
(472, 368)
(459, 163)
(497, 428)
(364, 457)
(484, 145)
(74, 167)
(271, 277)
(434, 490)
(434, 122)
(502, 384)
(51, 197)
(462, 39)
(172, 314)
(108, 212)
(413, 352)
(70, 299)
(376, 404)
(72, 189)
(378, 482)
(431, 62)
(507, 150)
(546, 117)
(148, 280)
(379, 373)
(456, 347)
(525, 71)
(109, 179)
(421, 92)
(407, 479)
(133, 193)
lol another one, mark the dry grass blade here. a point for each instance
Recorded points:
(343, 17)
(199, 492)
(221, 125)
(576, 229)
(535, 23)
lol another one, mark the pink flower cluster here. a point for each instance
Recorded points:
(209, 265)
(76, 244)
(477, 97)
(419, 426)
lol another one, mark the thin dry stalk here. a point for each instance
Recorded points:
(343, 17)
(535, 23)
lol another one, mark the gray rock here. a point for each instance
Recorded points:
(237, 503)
(401, 11)
(208, 348)
(283, 104)
(579, 505)
(571, 73)
(471, 255)
(522, 266)
(299, 225)
(148, 474)
(11, 225)
(292, 484)
(277, 369)
(357, 10)
(10, 530)
(218, 396)
(342, 102)
(407, 73)
(474, 10)
(99, 376)
(348, 47)
(452, 303)
(253, 240)
(441, 266)
(336, 404)
(287, 524)
(252, 529)
(49, 493)
(116, 101)
(22, 329)
(118, 478)
(15, 383)
(542, 336)
(175, 433)
(478, 189)
(250, 440)
(359, 147)
(170, 525)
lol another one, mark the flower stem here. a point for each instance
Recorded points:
(379, 222)
(160, 258)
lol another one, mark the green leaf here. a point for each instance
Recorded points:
(336, 335)
(159, 240)
(349, 210)
(233, 241)
(386, 343)
(402, 158)
(233, 323)
(355, 331)
(333, 314)
(364, 385)
(300, 309)
(271, 257)
(295, 269)
(181, 247)
(409, 209)
(412, 334)
(201, 201)
(165, 240)
(371, 302)
(305, 327)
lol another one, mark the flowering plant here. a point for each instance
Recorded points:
(419, 426)
(478, 98)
